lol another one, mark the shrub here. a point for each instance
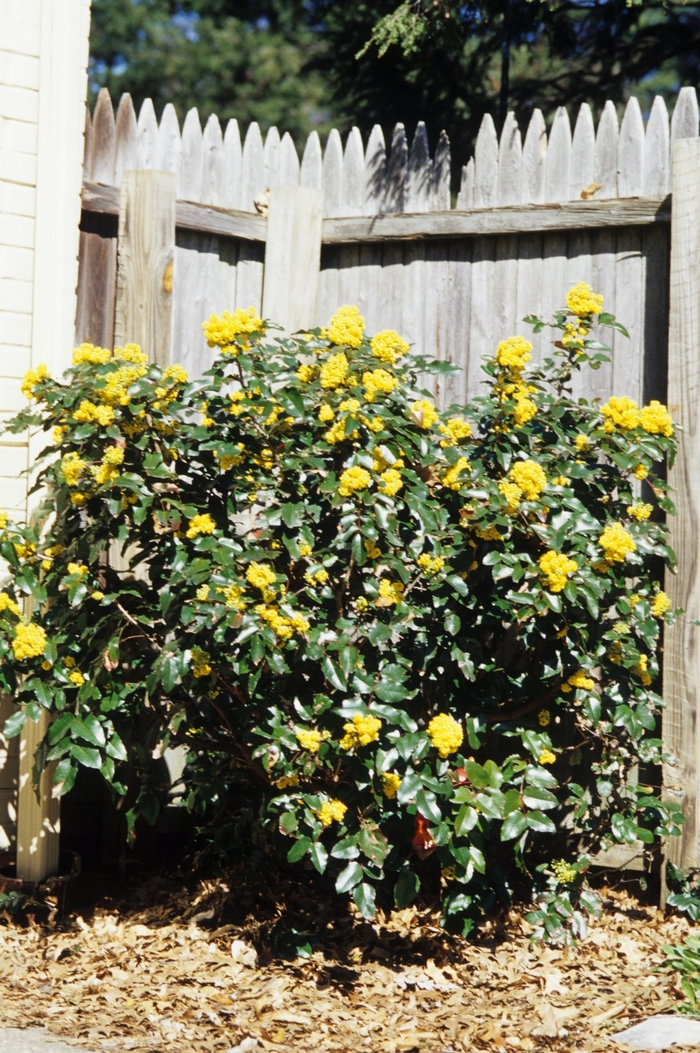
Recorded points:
(420, 635)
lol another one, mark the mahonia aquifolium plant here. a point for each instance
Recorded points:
(429, 639)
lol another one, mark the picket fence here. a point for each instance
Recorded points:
(177, 225)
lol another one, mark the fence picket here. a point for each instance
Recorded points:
(465, 198)
(212, 163)
(311, 173)
(252, 170)
(582, 172)
(104, 141)
(127, 139)
(189, 185)
(510, 163)
(606, 152)
(558, 164)
(352, 180)
(272, 158)
(374, 172)
(148, 135)
(656, 151)
(486, 165)
(440, 184)
(374, 186)
(684, 122)
(630, 152)
(333, 174)
(169, 141)
(419, 172)
(233, 160)
(534, 160)
(289, 162)
(396, 173)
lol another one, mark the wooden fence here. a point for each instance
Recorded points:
(176, 226)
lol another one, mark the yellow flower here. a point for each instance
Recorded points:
(445, 734)
(69, 662)
(547, 757)
(660, 604)
(656, 419)
(304, 549)
(97, 595)
(286, 781)
(620, 412)
(306, 373)
(309, 740)
(77, 568)
(390, 783)
(231, 460)
(640, 669)
(378, 381)
(347, 327)
(96, 356)
(232, 596)
(76, 678)
(388, 346)
(582, 301)
(334, 371)
(582, 443)
(563, 871)
(223, 330)
(430, 564)
(641, 471)
(544, 717)
(579, 679)
(201, 524)
(325, 413)
(363, 730)
(24, 551)
(261, 575)
(372, 549)
(337, 433)
(529, 476)
(450, 479)
(352, 480)
(113, 455)
(556, 568)
(615, 652)
(491, 533)
(424, 413)
(514, 353)
(3, 520)
(639, 511)
(104, 474)
(525, 410)
(512, 494)
(332, 811)
(391, 482)
(200, 663)
(362, 603)
(57, 434)
(8, 604)
(32, 378)
(316, 577)
(176, 374)
(390, 592)
(72, 467)
(282, 626)
(616, 543)
(29, 641)
(455, 429)
(89, 413)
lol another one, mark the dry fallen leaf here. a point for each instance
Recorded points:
(590, 190)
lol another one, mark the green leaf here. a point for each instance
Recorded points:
(346, 849)
(319, 856)
(349, 877)
(406, 889)
(466, 820)
(453, 623)
(427, 805)
(299, 850)
(14, 724)
(364, 896)
(514, 825)
(537, 797)
(540, 823)
(89, 758)
(333, 674)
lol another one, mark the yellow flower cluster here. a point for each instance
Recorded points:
(316, 577)
(72, 467)
(200, 663)
(285, 781)
(175, 373)
(29, 641)
(77, 568)
(578, 679)
(353, 480)
(491, 533)
(89, 413)
(639, 511)
(378, 382)
(529, 476)
(282, 626)
(616, 543)
(334, 371)
(388, 346)
(556, 568)
(372, 549)
(547, 757)
(96, 356)
(656, 420)
(391, 482)
(32, 378)
(390, 593)
(544, 718)
(77, 678)
(261, 576)
(445, 734)
(512, 494)
(232, 596)
(325, 413)
(424, 413)
(563, 871)
(514, 353)
(306, 373)
(582, 301)
(390, 784)
(360, 732)
(223, 330)
(640, 669)
(623, 413)
(347, 327)
(582, 443)
(430, 564)
(8, 604)
(231, 460)
(201, 524)
(660, 605)
(3, 520)
(455, 429)
(309, 740)
(641, 471)
(332, 812)
(451, 477)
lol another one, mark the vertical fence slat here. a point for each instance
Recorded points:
(289, 162)
(481, 330)
(87, 166)
(529, 287)
(630, 152)
(465, 198)
(212, 163)
(458, 319)
(272, 158)
(252, 169)
(104, 141)
(374, 172)
(603, 266)
(440, 184)
(396, 173)
(684, 122)
(233, 160)
(486, 165)
(579, 269)
(558, 158)
(374, 187)
(682, 641)
(311, 173)
(582, 153)
(189, 184)
(352, 181)
(656, 151)
(169, 141)
(606, 152)
(436, 336)
(510, 163)
(419, 172)
(97, 277)
(292, 256)
(534, 160)
(333, 175)
(148, 135)
(127, 139)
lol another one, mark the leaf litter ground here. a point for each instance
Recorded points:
(163, 964)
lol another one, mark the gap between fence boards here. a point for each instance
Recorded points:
(513, 219)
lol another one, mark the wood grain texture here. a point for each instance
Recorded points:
(582, 172)
(311, 173)
(127, 139)
(352, 191)
(510, 161)
(656, 151)
(272, 158)
(169, 141)
(252, 168)
(440, 183)
(289, 162)
(333, 175)
(143, 313)
(148, 135)
(396, 174)
(419, 172)
(465, 198)
(233, 162)
(231, 223)
(684, 122)
(104, 141)
(557, 172)
(534, 161)
(212, 192)
(189, 180)
(293, 257)
(374, 175)
(630, 152)
(97, 277)
(606, 152)
(681, 678)
(486, 165)
(38, 821)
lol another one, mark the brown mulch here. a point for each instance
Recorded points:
(157, 970)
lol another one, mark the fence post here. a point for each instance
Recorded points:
(38, 817)
(681, 683)
(146, 253)
(292, 257)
